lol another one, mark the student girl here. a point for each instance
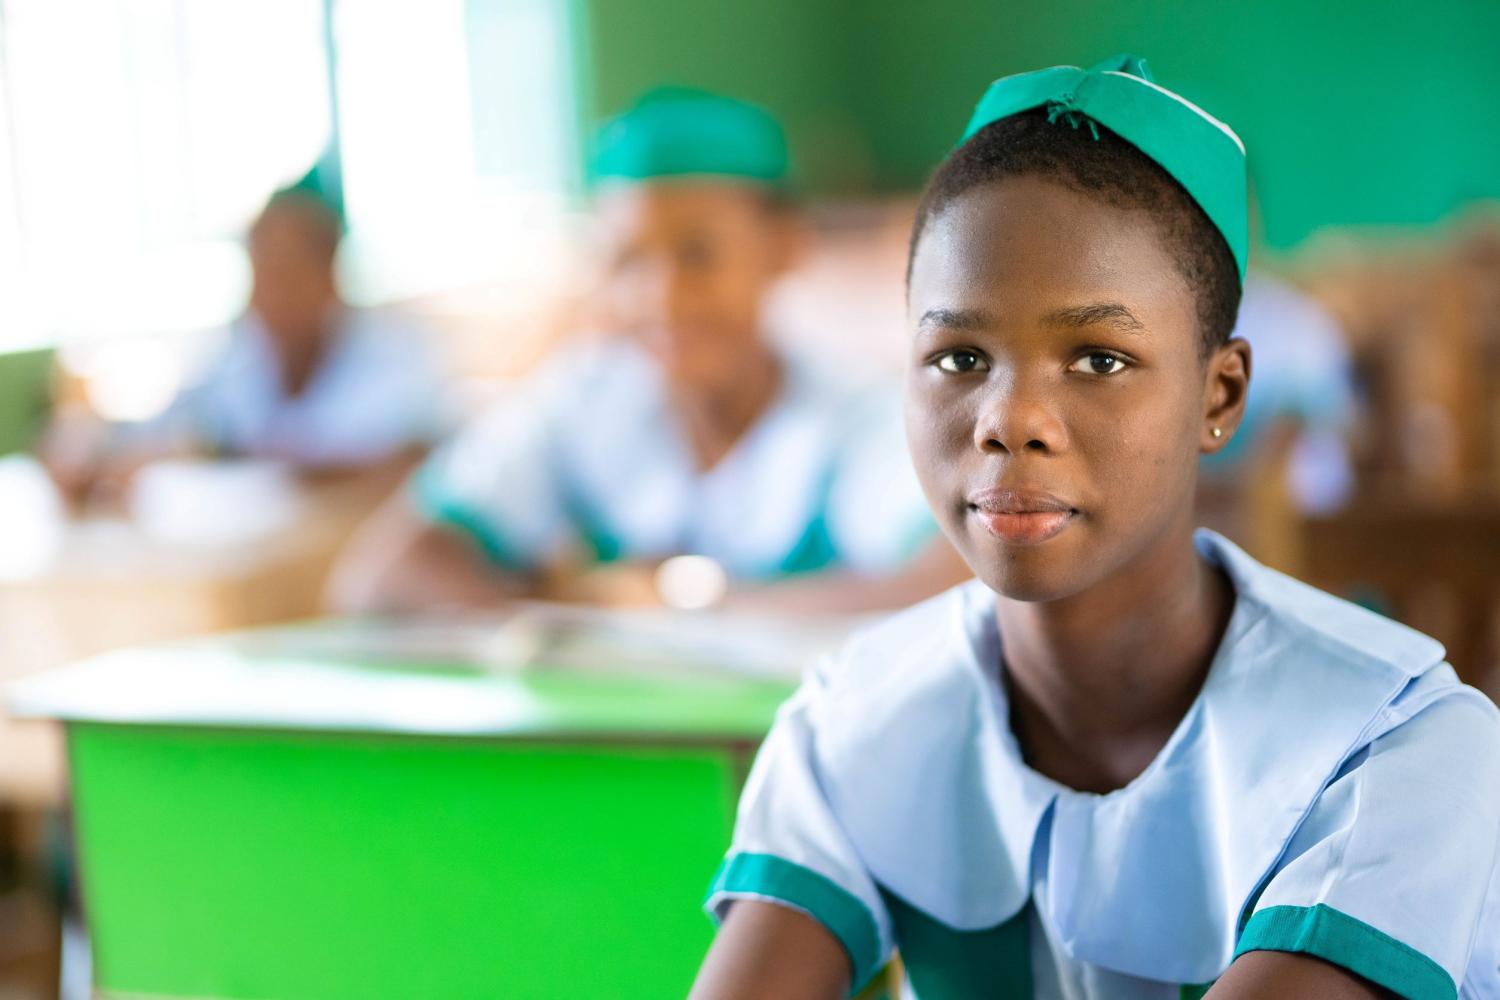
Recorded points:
(1127, 761)
(681, 432)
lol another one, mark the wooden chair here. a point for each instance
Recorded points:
(1433, 566)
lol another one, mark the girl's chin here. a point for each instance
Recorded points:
(1031, 573)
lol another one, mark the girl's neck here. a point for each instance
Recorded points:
(301, 354)
(715, 418)
(1098, 682)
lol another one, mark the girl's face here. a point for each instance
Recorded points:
(1057, 399)
(687, 267)
(291, 265)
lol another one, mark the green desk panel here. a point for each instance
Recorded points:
(245, 863)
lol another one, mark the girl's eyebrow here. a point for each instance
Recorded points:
(1114, 314)
(954, 319)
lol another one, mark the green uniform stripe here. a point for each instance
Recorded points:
(825, 900)
(1336, 937)
(435, 505)
(943, 963)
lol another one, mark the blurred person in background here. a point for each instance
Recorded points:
(682, 433)
(1295, 438)
(303, 379)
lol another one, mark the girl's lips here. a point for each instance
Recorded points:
(1024, 528)
(1021, 516)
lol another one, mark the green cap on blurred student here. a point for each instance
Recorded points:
(675, 132)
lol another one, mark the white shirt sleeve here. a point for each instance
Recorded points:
(499, 481)
(1391, 872)
(790, 849)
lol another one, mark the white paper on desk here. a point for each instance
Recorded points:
(659, 641)
(208, 687)
(537, 635)
(214, 503)
(31, 518)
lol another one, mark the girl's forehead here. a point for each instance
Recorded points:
(1030, 245)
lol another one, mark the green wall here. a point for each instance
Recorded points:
(783, 54)
(24, 383)
(1354, 113)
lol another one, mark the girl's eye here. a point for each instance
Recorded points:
(1099, 364)
(962, 362)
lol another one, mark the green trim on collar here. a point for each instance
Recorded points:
(439, 508)
(813, 551)
(1201, 152)
(1338, 938)
(815, 548)
(771, 877)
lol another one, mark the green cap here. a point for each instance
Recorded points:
(1201, 152)
(677, 132)
(323, 183)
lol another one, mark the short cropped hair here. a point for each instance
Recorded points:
(1097, 162)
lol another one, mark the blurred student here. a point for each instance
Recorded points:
(682, 433)
(1303, 398)
(1128, 762)
(1301, 408)
(303, 379)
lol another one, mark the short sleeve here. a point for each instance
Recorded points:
(877, 516)
(379, 393)
(1389, 874)
(499, 481)
(789, 847)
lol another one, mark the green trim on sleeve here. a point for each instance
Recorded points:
(766, 875)
(434, 504)
(1336, 937)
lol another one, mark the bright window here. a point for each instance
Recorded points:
(139, 137)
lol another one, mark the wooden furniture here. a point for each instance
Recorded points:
(29, 926)
(1435, 566)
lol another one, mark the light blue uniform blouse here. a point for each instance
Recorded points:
(375, 393)
(1333, 790)
(587, 459)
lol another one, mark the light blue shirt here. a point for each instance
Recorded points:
(588, 458)
(375, 393)
(1333, 790)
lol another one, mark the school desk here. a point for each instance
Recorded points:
(110, 585)
(253, 821)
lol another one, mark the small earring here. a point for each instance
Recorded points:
(1217, 432)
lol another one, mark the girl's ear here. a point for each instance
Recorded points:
(1227, 381)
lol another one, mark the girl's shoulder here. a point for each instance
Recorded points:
(1312, 706)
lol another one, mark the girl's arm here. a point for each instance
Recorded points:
(399, 563)
(765, 951)
(1260, 974)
